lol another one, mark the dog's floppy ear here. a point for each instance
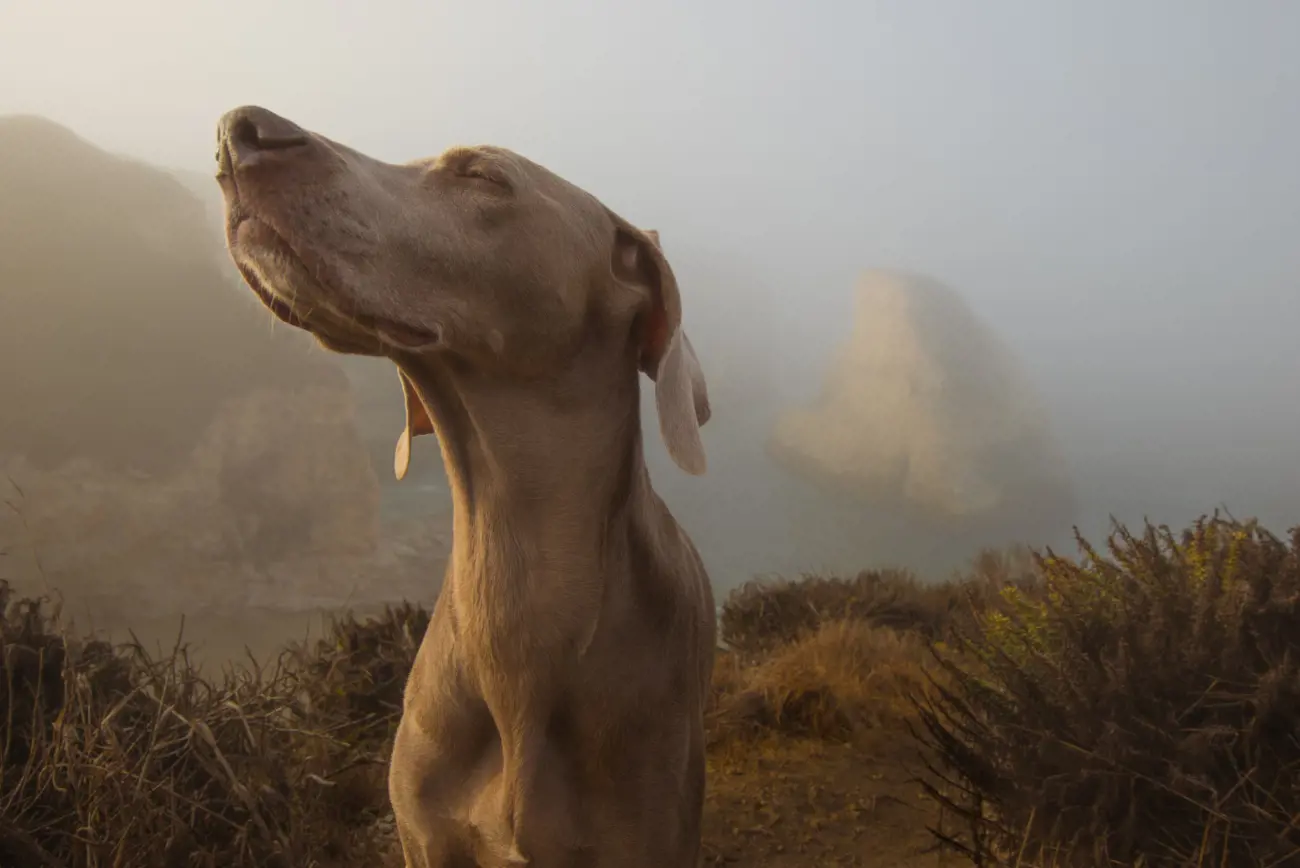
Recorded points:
(417, 423)
(666, 354)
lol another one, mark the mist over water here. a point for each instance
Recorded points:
(1110, 189)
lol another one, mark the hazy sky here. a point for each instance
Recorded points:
(1114, 185)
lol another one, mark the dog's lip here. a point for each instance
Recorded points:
(402, 335)
(283, 308)
(278, 306)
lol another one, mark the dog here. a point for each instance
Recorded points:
(554, 714)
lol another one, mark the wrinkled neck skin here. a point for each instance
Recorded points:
(546, 479)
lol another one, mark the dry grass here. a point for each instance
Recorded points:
(112, 757)
(764, 615)
(842, 680)
(1132, 709)
(837, 658)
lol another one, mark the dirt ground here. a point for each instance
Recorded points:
(802, 803)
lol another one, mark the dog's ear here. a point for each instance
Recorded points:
(417, 423)
(666, 354)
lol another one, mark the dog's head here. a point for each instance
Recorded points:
(477, 253)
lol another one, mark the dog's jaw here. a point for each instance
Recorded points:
(296, 293)
(251, 267)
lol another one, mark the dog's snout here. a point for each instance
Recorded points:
(249, 134)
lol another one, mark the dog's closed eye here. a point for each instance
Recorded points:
(474, 166)
(478, 173)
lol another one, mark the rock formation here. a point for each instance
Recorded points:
(925, 409)
(153, 416)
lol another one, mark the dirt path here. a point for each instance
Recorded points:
(789, 803)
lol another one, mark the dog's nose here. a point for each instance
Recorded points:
(249, 134)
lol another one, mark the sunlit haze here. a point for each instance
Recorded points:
(1112, 187)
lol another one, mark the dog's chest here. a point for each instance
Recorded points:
(520, 614)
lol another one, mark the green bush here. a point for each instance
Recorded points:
(1136, 708)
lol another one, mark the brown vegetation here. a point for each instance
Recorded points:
(1133, 708)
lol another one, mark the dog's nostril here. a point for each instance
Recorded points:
(243, 133)
(249, 136)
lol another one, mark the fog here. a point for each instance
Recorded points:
(1112, 187)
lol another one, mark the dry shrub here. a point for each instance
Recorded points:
(112, 757)
(992, 570)
(356, 673)
(835, 658)
(1135, 708)
(764, 615)
(760, 616)
(846, 678)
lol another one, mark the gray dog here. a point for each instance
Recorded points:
(554, 716)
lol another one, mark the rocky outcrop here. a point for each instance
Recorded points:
(159, 426)
(925, 408)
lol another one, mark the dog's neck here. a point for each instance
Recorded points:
(541, 473)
